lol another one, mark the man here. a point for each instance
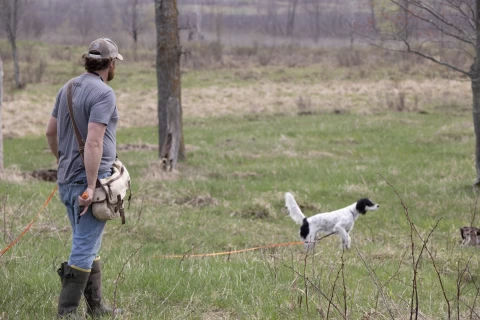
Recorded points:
(96, 116)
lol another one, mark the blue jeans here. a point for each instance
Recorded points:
(87, 231)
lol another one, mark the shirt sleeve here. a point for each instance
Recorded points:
(103, 108)
(57, 104)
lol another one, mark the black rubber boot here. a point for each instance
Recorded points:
(73, 285)
(93, 293)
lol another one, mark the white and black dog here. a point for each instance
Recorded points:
(339, 221)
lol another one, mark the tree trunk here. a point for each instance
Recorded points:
(373, 19)
(135, 23)
(476, 123)
(292, 8)
(168, 75)
(171, 148)
(16, 66)
(198, 20)
(1, 122)
(135, 48)
(475, 73)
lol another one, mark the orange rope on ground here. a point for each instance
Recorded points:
(28, 227)
(230, 252)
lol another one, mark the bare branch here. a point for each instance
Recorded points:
(419, 53)
(316, 288)
(118, 277)
(467, 39)
(376, 281)
(420, 5)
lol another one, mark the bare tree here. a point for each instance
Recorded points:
(33, 24)
(291, 12)
(350, 20)
(218, 21)
(198, 17)
(1, 122)
(456, 23)
(84, 17)
(11, 12)
(171, 147)
(314, 10)
(135, 21)
(373, 19)
(272, 24)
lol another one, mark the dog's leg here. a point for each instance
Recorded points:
(344, 235)
(310, 242)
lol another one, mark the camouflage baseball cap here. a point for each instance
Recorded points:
(103, 48)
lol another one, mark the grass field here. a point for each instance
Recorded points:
(251, 135)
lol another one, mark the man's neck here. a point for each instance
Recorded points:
(102, 74)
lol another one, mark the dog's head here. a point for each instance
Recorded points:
(365, 204)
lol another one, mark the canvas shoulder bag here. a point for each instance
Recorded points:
(110, 192)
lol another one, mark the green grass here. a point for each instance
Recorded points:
(228, 195)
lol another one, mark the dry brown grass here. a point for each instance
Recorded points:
(23, 116)
(13, 174)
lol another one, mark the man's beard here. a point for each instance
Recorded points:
(111, 74)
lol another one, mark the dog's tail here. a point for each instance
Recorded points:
(293, 209)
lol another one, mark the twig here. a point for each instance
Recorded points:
(305, 278)
(344, 287)
(118, 277)
(415, 264)
(186, 253)
(375, 280)
(171, 291)
(472, 309)
(412, 229)
(396, 272)
(435, 266)
(459, 285)
(5, 217)
(294, 285)
(476, 296)
(316, 288)
(333, 290)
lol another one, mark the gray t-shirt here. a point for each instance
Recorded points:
(93, 101)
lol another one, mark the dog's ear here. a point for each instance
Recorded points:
(362, 205)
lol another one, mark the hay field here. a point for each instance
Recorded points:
(312, 82)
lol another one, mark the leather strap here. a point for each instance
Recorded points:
(80, 141)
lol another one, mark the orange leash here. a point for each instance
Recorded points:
(30, 224)
(229, 252)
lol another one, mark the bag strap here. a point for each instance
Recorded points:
(80, 141)
(78, 136)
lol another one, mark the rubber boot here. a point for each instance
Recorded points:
(93, 293)
(73, 285)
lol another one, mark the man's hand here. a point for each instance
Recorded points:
(85, 200)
